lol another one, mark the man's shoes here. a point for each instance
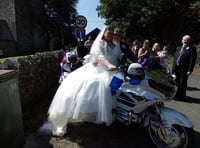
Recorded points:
(176, 99)
(179, 98)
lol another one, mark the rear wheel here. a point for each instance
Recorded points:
(178, 137)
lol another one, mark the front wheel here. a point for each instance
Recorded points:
(179, 136)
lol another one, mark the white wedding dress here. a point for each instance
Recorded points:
(85, 93)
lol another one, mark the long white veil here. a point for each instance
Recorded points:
(94, 48)
(97, 41)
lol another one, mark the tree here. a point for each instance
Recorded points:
(163, 21)
(59, 15)
(195, 7)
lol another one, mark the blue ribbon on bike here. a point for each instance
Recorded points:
(115, 85)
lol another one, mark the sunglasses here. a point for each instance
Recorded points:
(116, 34)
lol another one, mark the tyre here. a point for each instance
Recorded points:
(179, 137)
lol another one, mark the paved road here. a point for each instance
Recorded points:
(191, 107)
(117, 135)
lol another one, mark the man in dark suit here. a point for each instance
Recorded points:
(125, 49)
(135, 48)
(183, 65)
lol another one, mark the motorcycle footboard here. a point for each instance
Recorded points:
(122, 115)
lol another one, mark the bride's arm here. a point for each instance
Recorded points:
(105, 61)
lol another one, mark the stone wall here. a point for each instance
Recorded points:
(7, 12)
(38, 75)
(25, 20)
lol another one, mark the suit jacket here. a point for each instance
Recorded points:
(187, 60)
(126, 50)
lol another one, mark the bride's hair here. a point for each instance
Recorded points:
(99, 38)
(107, 28)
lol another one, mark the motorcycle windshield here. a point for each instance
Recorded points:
(162, 82)
(160, 79)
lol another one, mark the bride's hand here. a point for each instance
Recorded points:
(94, 62)
(112, 67)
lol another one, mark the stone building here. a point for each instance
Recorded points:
(24, 19)
(7, 41)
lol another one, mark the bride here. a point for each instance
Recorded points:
(85, 93)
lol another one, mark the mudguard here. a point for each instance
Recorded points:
(172, 116)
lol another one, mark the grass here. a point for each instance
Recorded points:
(170, 59)
(3, 59)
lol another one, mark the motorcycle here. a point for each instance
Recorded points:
(140, 100)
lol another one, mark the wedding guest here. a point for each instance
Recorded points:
(123, 45)
(163, 55)
(88, 43)
(144, 52)
(183, 65)
(135, 49)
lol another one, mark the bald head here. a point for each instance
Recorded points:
(186, 40)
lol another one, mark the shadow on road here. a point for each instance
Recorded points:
(115, 136)
(90, 135)
(37, 141)
(193, 89)
(196, 139)
(191, 100)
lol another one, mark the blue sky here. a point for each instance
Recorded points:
(87, 8)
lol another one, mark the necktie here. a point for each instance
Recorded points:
(180, 54)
